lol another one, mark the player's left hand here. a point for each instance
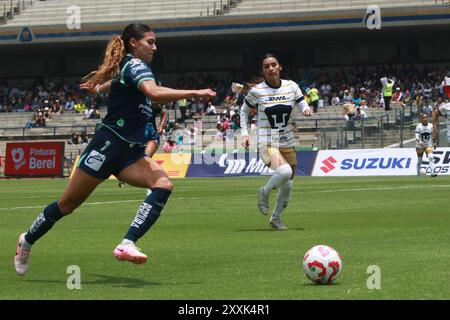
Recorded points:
(307, 113)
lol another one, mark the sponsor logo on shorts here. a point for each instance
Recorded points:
(95, 160)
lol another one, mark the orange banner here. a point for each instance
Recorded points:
(175, 164)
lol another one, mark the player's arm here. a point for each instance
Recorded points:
(165, 95)
(417, 135)
(162, 122)
(97, 89)
(304, 107)
(244, 112)
(301, 101)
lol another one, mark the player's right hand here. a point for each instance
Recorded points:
(245, 142)
(206, 93)
(88, 86)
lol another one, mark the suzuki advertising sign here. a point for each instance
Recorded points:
(366, 162)
(34, 159)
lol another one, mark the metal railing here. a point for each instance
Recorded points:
(24, 133)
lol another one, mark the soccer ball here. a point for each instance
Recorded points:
(322, 264)
(423, 172)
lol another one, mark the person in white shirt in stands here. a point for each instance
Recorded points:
(275, 99)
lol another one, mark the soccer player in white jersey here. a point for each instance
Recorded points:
(275, 99)
(424, 143)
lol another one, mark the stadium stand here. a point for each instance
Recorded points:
(55, 12)
(245, 7)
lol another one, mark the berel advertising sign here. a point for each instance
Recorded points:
(34, 159)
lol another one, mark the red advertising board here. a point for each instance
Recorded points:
(34, 159)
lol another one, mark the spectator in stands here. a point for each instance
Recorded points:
(182, 105)
(40, 119)
(56, 107)
(379, 101)
(388, 84)
(118, 144)
(79, 106)
(5, 106)
(360, 114)
(211, 109)
(36, 105)
(75, 139)
(236, 121)
(349, 111)
(397, 98)
(17, 92)
(335, 100)
(27, 107)
(347, 98)
(47, 113)
(418, 102)
(70, 104)
(83, 138)
(314, 95)
(428, 107)
(446, 86)
(191, 133)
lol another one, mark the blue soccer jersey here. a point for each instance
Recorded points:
(129, 110)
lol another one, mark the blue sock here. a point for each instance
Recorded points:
(148, 213)
(44, 222)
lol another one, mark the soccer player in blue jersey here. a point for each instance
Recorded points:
(154, 132)
(119, 143)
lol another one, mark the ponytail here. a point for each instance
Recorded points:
(114, 53)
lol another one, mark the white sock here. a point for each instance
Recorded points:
(126, 241)
(283, 197)
(25, 244)
(431, 161)
(149, 192)
(419, 164)
(280, 177)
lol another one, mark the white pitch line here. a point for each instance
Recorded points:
(438, 186)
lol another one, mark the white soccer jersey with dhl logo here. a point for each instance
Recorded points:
(424, 135)
(275, 106)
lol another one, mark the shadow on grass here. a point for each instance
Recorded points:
(123, 282)
(310, 284)
(268, 230)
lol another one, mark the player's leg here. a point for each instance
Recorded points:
(77, 191)
(144, 173)
(285, 190)
(429, 152)
(283, 172)
(150, 150)
(419, 152)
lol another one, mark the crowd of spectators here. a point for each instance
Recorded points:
(46, 99)
(417, 85)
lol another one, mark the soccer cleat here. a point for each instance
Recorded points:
(22, 257)
(433, 175)
(129, 252)
(277, 224)
(263, 201)
(121, 184)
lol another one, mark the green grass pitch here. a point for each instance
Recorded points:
(211, 242)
